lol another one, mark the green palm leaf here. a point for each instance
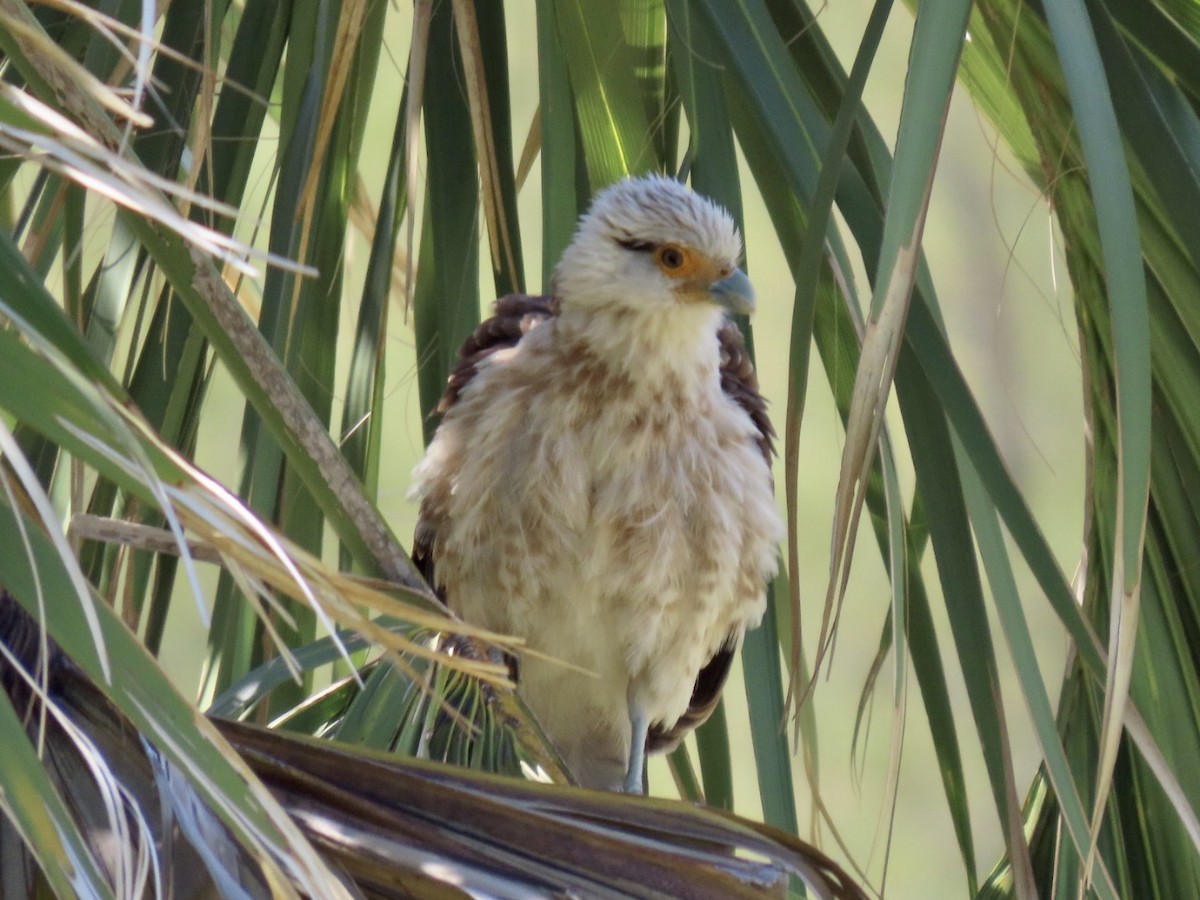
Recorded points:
(199, 215)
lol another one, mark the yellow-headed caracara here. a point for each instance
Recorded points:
(601, 483)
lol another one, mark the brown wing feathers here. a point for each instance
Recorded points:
(739, 381)
(515, 315)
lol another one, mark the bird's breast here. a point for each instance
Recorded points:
(680, 530)
(647, 517)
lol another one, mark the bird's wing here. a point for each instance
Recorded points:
(740, 384)
(515, 315)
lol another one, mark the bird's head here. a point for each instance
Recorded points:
(651, 244)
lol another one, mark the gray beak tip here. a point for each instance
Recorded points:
(734, 292)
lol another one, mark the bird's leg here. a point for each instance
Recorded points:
(635, 775)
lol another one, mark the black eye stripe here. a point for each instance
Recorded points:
(638, 246)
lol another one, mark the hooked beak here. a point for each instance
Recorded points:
(734, 292)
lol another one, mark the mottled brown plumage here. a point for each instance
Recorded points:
(600, 484)
(513, 317)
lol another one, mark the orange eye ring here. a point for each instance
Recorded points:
(671, 258)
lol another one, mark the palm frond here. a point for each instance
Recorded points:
(200, 207)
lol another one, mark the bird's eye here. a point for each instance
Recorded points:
(670, 257)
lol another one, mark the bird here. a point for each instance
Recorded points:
(600, 482)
